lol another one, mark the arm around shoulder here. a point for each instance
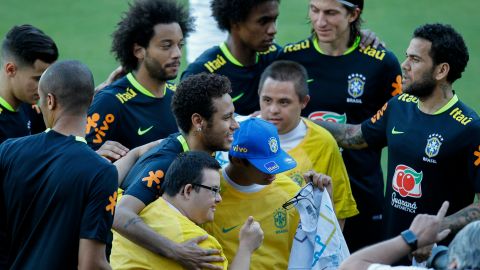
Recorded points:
(347, 135)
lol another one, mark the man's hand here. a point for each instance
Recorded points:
(319, 180)
(369, 38)
(251, 235)
(193, 257)
(427, 230)
(112, 150)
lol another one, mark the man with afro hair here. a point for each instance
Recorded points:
(135, 109)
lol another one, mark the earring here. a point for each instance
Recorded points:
(199, 129)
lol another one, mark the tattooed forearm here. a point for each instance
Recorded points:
(460, 219)
(132, 221)
(347, 135)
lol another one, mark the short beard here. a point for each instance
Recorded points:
(423, 88)
(156, 71)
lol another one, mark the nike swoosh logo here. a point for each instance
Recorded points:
(141, 132)
(226, 230)
(396, 132)
(310, 80)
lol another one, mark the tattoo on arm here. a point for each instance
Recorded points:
(132, 221)
(460, 219)
(347, 135)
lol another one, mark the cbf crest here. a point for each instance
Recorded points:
(272, 142)
(433, 145)
(280, 219)
(356, 85)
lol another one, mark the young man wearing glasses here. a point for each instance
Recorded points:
(190, 198)
(251, 187)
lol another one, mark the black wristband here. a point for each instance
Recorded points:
(410, 238)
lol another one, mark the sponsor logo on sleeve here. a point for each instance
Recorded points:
(477, 154)
(112, 202)
(370, 51)
(379, 114)
(458, 115)
(153, 177)
(100, 131)
(397, 86)
(215, 64)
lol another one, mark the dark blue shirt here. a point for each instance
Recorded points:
(54, 191)
(349, 89)
(145, 178)
(219, 60)
(128, 113)
(431, 158)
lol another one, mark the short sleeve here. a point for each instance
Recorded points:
(147, 179)
(374, 129)
(102, 120)
(474, 155)
(97, 217)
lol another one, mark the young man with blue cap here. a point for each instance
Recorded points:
(251, 187)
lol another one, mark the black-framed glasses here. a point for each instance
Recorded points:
(303, 194)
(215, 190)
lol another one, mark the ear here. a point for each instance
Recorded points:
(139, 51)
(197, 121)
(51, 101)
(352, 16)
(305, 101)
(441, 71)
(10, 69)
(187, 191)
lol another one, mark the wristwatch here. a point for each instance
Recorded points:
(410, 238)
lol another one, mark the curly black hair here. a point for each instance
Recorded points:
(195, 94)
(136, 26)
(227, 12)
(26, 44)
(448, 46)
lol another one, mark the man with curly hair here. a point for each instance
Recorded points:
(248, 50)
(135, 109)
(433, 138)
(204, 112)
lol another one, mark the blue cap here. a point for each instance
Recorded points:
(257, 141)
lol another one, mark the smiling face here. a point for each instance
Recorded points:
(258, 30)
(161, 58)
(330, 20)
(418, 69)
(280, 104)
(217, 133)
(203, 202)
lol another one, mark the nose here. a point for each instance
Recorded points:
(319, 20)
(272, 29)
(218, 198)
(405, 65)
(234, 125)
(176, 52)
(273, 108)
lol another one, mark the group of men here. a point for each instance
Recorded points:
(176, 206)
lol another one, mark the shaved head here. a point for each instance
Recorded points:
(71, 82)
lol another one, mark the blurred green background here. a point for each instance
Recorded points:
(82, 28)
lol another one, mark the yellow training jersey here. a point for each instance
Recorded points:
(278, 224)
(318, 151)
(169, 223)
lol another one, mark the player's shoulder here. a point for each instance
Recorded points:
(299, 46)
(320, 133)
(274, 49)
(379, 54)
(404, 99)
(164, 152)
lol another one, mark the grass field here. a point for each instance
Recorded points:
(82, 28)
